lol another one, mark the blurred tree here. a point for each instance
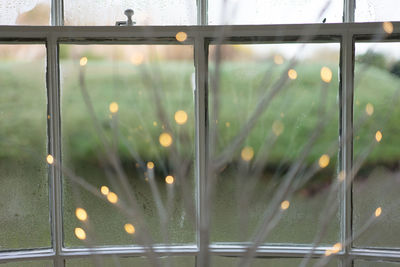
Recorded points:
(373, 59)
(395, 69)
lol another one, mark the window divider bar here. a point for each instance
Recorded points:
(346, 139)
(349, 7)
(201, 130)
(202, 12)
(57, 12)
(54, 147)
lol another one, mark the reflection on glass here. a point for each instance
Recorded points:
(24, 208)
(274, 12)
(274, 144)
(108, 12)
(128, 125)
(230, 261)
(377, 10)
(27, 12)
(362, 263)
(376, 142)
(176, 261)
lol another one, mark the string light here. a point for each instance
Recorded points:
(369, 109)
(129, 228)
(285, 205)
(150, 165)
(165, 139)
(112, 197)
(247, 153)
(326, 74)
(378, 136)
(113, 107)
(50, 159)
(181, 117)
(292, 74)
(83, 61)
(324, 161)
(378, 212)
(104, 190)
(278, 60)
(80, 233)
(169, 179)
(388, 27)
(81, 214)
(181, 36)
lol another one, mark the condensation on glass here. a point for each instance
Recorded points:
(376, 141)
(128, 132)
(377, 10)
(176, 261)
(24, 12)
(364, 263)
(24, 208)
(107, 12)
(274, 12)
(273, 129)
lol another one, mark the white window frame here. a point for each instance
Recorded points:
(200, 37)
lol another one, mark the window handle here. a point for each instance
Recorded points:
(129, 13)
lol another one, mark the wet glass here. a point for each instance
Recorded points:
(376, 189)
(274, 143)
(25, 12)
(108, 12)
(377, 10)
(128, 144)
(24, 198)
(274, 12)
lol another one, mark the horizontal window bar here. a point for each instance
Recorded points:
(8, 256)
(113, 33)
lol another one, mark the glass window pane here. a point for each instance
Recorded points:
(128, 132)
(25, 12)
(37, 263)
(362, 263)
(274, 12)
(283, 262)
(274, 143)
(24, 199)
(108, 12)
(376, 142)
(377, 10)
(176, 261)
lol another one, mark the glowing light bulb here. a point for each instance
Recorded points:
(324, 161)
(278, 60)
(169, 179)
(113, 107)
(285, 205)
(83, 61)
(50, 159)
(326, 74)
(277, 128)
(165, 139)
(80, 233)
(378, 136)
(181, 36)
(247, 153)
(112, 197)
(378, 212)
(150, 165)
(292, 74)
(388, 27)
(104, 190)
(369, 109)
(129, 228)
(181, 117)
(81, 214)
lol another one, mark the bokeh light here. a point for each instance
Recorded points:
(378, 136)
(247, 153)
(369, 109)
(104, 190)
(324, 161)
(83, 61)
(277, 128)
(378, 212)
(292, 74)
(278, 60)
(285, 205)
(181, 36)
(81, 214)
(181, 117)
(326, 74)
(169, 179)
(50, 159)
(129, 228)
(80, 233)
(165, 139)
(112, 197)
(113, 107)
(388, 27)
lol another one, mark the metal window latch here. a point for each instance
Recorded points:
(129, 13)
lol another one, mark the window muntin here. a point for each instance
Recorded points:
(376, 110)
(365, 263)
(24, 206)
(150, 140)
(178, 261)
(290, 128)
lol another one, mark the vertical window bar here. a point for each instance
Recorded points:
(349, 10)
(54, 147)
(201, 111)
(346, 139)
(202, 12)
(57, 12)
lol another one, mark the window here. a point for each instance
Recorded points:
(191, 140)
